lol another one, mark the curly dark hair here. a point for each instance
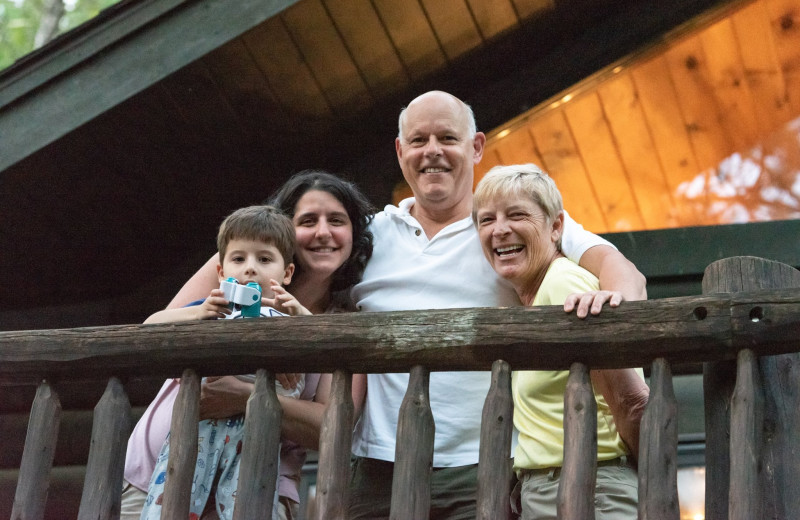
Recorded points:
(358, 208)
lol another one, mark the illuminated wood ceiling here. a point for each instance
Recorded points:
(702, 129)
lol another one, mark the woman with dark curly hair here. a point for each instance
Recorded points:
(330, 217)
(359, 210)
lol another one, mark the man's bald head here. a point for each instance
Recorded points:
(444, 97)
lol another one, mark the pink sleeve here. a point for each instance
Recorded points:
(148, 436)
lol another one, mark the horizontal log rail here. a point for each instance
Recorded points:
(680, 330)
(714, 329)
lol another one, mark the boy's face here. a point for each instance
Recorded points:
(255, 261)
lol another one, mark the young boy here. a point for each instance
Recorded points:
(256, 245)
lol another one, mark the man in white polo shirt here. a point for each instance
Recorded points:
(427, 256)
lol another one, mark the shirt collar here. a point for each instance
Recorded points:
(403, 212)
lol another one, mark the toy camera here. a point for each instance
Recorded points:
(244, 297)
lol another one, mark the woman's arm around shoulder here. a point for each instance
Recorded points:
(199, 285)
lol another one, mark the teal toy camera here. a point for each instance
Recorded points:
(246, 298)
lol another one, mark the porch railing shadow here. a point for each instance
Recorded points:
(744, 328)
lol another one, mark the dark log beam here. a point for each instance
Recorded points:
(681, 330)
(118, 59)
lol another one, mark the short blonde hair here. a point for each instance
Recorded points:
(519, 179)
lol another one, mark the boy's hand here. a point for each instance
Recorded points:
(214, 307)
(283, 301)
(592, 301)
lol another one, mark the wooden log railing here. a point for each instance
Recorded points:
(713, 328)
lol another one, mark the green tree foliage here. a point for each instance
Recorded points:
(19, 21)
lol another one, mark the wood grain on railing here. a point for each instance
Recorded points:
(110, 430)
(494, 463)
(37, 457)
(258, 467)
(681, 330)
(411, 482)
(183, 453)
(335, 439)
(751, 324)
(747, 416)
(579, 470)
(658, 452)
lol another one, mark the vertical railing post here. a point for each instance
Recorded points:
(258, 467)
(746, 428)
(411, 481)
(37, 456)
(579, 471)
(494, 463)
(335, 439)
(658, 449)
(780, 454)
(183, 448)
(111, 426)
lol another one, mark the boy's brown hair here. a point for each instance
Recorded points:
(263, 223)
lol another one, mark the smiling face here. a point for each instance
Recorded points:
(437, 152)
(254, 261)
(324, 233)
(519, 240)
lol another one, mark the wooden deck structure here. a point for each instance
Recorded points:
(744, 328)
(130, 138)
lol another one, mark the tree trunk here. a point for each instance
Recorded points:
(52, 11)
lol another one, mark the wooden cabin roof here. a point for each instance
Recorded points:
(125, 142)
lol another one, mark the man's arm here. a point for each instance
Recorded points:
(616, 273)
(619, 280)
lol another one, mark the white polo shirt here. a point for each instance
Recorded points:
(406, 272)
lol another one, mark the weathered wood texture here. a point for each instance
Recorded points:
(780, 461)
(258, 470)
(687, 329)
(335, 440)
(76, 394)
(747, 411)
(579, 472)
(110, 431)
(494, 464)
(74, 439)
(183, 453)
(63, 492)
(718, 381)
(37, 458)
(411, 481)
(658, 452)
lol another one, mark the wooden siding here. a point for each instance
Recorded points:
(670, 137)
